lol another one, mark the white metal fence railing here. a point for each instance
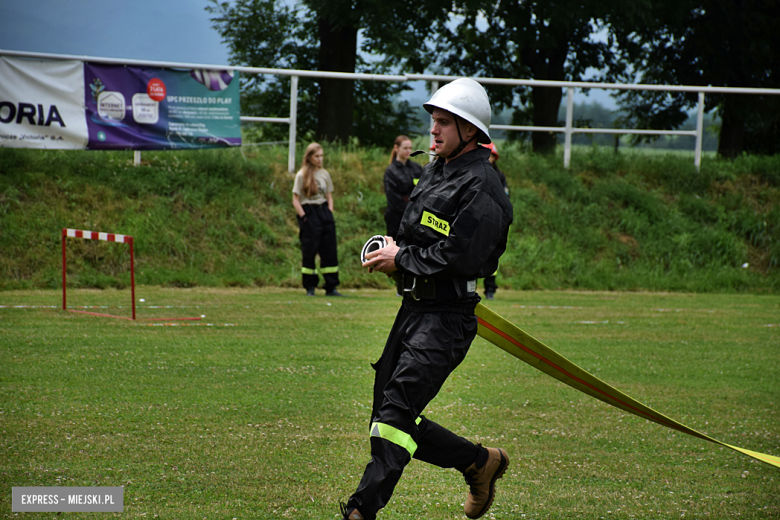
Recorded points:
(568, 129)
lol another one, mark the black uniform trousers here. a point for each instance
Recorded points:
(393, 222)
(490, 284)
(318, 236)
(427, 342)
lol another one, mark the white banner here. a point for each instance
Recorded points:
(42, 104)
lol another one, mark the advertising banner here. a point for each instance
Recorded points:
(42, 104)
(76, 105)
(151, 109)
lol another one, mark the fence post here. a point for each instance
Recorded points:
(699, 131)
(136, 157)
(293, 122)
(434, 88)
(64, 272)
(568, 132)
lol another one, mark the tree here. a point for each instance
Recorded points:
(392, 32)
(337, 28)
(323, 35)
(729, 43)
(532, 39)
(268, 33)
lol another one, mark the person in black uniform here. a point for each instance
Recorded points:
(490, 281)
(453, 231)
(401, 177)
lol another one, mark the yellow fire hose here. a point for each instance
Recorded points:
(524, 347)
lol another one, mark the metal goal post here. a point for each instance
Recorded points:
(94, 235)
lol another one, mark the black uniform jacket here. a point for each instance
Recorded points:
(502, 177)
(399, 183)
(457, 220)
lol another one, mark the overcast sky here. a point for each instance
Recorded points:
(155, 30)
(159, 30)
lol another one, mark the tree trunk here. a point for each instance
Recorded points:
(547, 102)
(732, 130)
(546, 65)
(338, 53)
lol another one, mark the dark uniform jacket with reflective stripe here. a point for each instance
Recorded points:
(457, 220)
(399, 183)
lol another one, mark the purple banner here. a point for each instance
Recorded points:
(143, 108)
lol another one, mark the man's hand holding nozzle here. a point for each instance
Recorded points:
(381, 259)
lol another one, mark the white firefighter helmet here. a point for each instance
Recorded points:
(467, 99)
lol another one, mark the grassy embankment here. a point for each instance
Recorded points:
(630, 221)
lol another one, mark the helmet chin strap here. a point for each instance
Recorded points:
(463, 144)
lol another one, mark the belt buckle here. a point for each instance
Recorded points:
(411, 290)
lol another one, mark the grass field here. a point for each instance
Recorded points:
(261, 409)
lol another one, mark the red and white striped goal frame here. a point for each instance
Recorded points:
(94, 235)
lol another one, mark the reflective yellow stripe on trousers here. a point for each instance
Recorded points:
(394, 435)
(321, 270)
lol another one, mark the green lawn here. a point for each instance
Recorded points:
(261, 409)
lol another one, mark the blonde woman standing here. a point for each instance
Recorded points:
(313, 203)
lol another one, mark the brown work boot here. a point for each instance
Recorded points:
(482, 482)
(350, 515)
